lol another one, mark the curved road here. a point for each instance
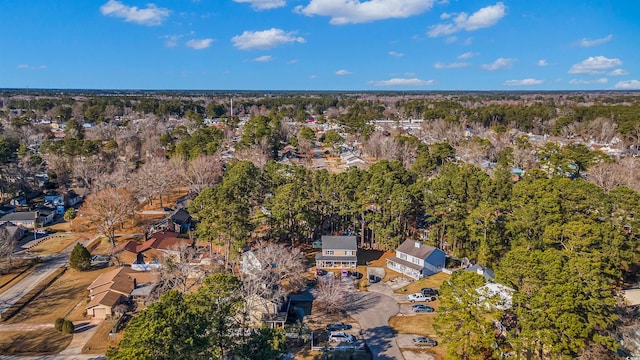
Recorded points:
(373, 310)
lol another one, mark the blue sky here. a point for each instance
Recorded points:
(320, 44)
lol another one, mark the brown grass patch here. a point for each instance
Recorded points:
(100, 341)
(433, 281)
(416, 324)
(60, 299)
(60, 227)
(382, 260)
(53, 245)
(11, 275)
(38, 342)
(421, 325)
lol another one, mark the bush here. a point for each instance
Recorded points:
(67, 327)
(58, 324)
(80, 258)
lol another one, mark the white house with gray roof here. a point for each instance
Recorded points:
(417, 260)
(338, 252)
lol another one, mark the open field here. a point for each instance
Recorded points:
(100, 342)
(40, 342)
(59, 299)
(53, 245)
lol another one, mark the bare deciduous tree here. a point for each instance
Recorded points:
(605, 175)
(180, 271)
(7, 244)
(332, 295)
(109, 209)
(203, 172)
(278, 272)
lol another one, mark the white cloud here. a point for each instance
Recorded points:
(343, 72)
(588, 82)
(454, 65)
(543, 62)
(403, 82)
(264, 4)
(356, 11)
(292, 61)
(628, 85)
(619, 72)
(31, 67)
(171, 40)
(594, 65)
(467, 55)
(584, 42)
(199, 44)
(265, 39)
(151, 15)
(313, 77)
(396, 54)
(483, 18)
(500, 63)
(263, 58)
(523, 82)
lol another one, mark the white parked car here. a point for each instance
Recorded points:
(419, 297)
(339, 336)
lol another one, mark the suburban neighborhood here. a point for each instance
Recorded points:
(315, 232)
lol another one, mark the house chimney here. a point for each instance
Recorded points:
(418, 244)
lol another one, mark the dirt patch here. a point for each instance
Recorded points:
(40, 342)
(60, 299)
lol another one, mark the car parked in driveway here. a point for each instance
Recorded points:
(424, 341)
(422, 308)
(430, 292)
(418, 297)
(337, 326)
(339, 336)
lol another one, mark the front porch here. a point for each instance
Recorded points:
(405, 268)
(336, 262)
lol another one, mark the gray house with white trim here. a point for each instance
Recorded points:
(417, 260)
(338, 252)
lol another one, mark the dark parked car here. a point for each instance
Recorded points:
(429, 292)
(422, 308)
(374, 279)
(321, 272)
(424, 341)
(356, 275)
(338, 326)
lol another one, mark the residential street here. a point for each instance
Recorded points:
(373, 310)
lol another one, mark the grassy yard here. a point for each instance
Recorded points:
(433, 281)
(53, 245)
(60, 299)
(100, 342)
(39, 342)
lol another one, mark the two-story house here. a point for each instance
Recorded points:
(416, 260)
(338, 252)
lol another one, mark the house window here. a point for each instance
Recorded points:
(329, 252)
(403, 256)
(416, 261)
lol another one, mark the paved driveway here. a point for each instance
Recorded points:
(373, 310)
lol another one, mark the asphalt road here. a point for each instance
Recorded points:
(373, 310)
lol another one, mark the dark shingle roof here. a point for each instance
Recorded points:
(180, 217)
(20, 216)
(409, 247)
(339, 243)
